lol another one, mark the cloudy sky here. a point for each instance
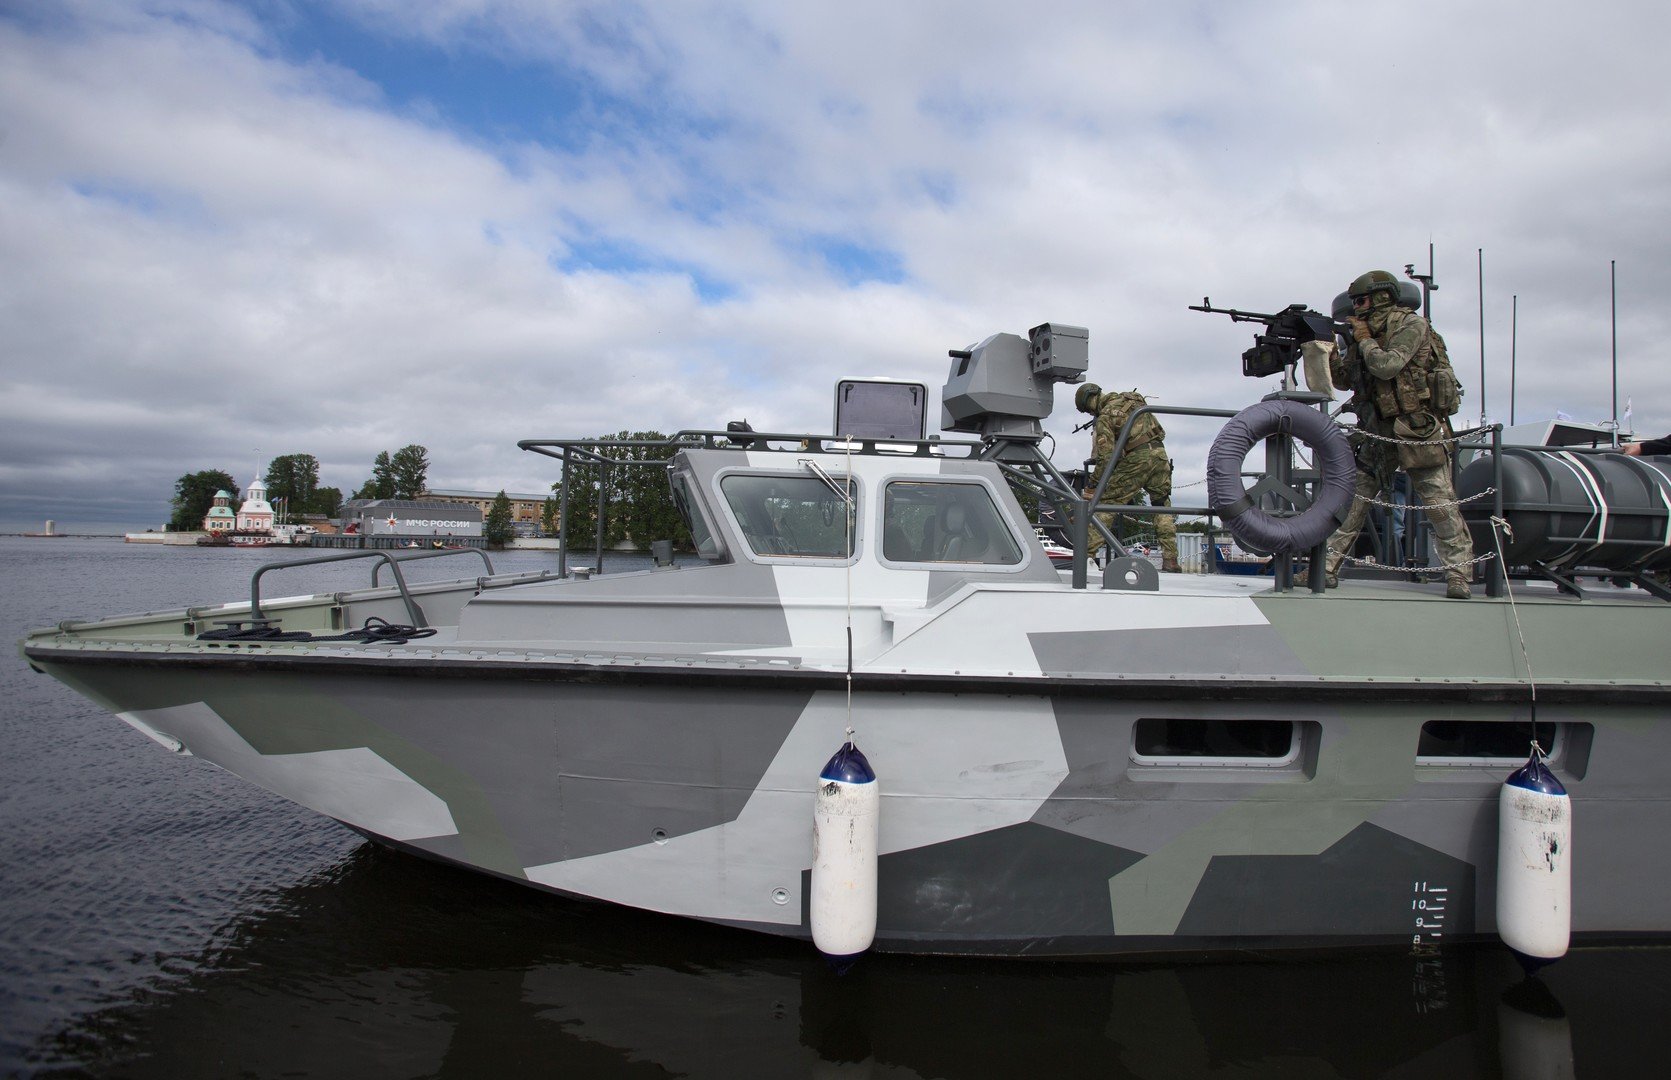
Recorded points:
(233, 230)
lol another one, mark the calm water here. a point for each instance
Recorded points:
(159, 917)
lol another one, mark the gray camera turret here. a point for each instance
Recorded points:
(1005, 384)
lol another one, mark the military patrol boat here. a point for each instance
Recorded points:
(1081, 763)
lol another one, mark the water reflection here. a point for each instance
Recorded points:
(391, 966)
(1533, 1034)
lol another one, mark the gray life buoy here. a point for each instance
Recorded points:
(1255, 529)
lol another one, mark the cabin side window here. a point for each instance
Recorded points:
(928, 521)
(795, 516)
(690, 509)
(1204, 741)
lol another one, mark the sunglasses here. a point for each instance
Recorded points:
(1360, 301)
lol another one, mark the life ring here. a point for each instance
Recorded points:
(1256, 529)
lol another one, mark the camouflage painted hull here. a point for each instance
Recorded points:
(1015, 818)
(1202, 763)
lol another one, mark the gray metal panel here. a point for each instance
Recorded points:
(1023, 881)
(601, 609)
(1370, 882)
(1228, 650)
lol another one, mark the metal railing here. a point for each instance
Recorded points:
(606, 453)
(413, 611)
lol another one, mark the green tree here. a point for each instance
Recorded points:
(292, 480)
(638, 503)
(548, 515)
(382, 482)
(498, 528)
(646, 509)
(409, 468)
(327, 501)
(583, 502)
(194, 493)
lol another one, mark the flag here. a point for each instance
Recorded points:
(1627, 416)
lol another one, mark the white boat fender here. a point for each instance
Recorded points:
(1252, 527)
(845, 820)
(1534, 864)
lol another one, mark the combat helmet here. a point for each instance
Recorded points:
(1376, 281)
(1083, 397)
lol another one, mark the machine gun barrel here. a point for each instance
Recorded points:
(1285, 332)
(1206, 305)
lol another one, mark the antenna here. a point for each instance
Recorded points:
(1481, 256)
(1427, 283)
(1514, 335)
(1613, 290)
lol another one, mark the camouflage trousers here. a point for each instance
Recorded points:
(1377, 462)
(1144, 470)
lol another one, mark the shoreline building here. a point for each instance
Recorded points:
(256, 513)
(385, 523)
(525, 508)
(221, 518)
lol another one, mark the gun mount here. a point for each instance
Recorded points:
(1003, 386)
(1278, 348)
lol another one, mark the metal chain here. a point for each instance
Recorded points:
(1419, 442)
(1447, 567)
(1366, 433)
(1306, 462)
(1425, 505)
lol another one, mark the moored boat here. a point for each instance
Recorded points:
(1059, 554)
(1091, 764)
(252, 538)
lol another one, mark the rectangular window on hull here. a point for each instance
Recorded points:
(1200, 741)
(1484, 742)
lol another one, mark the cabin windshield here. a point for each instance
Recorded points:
(943, 521)
(795, 516)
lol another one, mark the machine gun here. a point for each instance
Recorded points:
(1278, 348)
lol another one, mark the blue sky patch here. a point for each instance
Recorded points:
(470, 87)
(857, 264)
(181, 208)
(611, 256)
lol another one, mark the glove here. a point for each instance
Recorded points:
(1360, 329)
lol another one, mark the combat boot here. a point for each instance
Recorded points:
(1303, 580)
(1456, 587)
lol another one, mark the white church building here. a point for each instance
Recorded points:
(256, 513)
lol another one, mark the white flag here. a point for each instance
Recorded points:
(1627, 415)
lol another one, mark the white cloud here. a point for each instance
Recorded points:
(224, 239)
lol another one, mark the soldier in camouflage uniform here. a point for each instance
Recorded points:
(1143, 466)
(1404, 391)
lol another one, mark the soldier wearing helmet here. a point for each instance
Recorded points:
(1405, 392)
(1143, 465)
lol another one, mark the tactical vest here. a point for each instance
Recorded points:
(1426, 384)
(1113, 411)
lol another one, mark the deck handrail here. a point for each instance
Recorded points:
(413, 611)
